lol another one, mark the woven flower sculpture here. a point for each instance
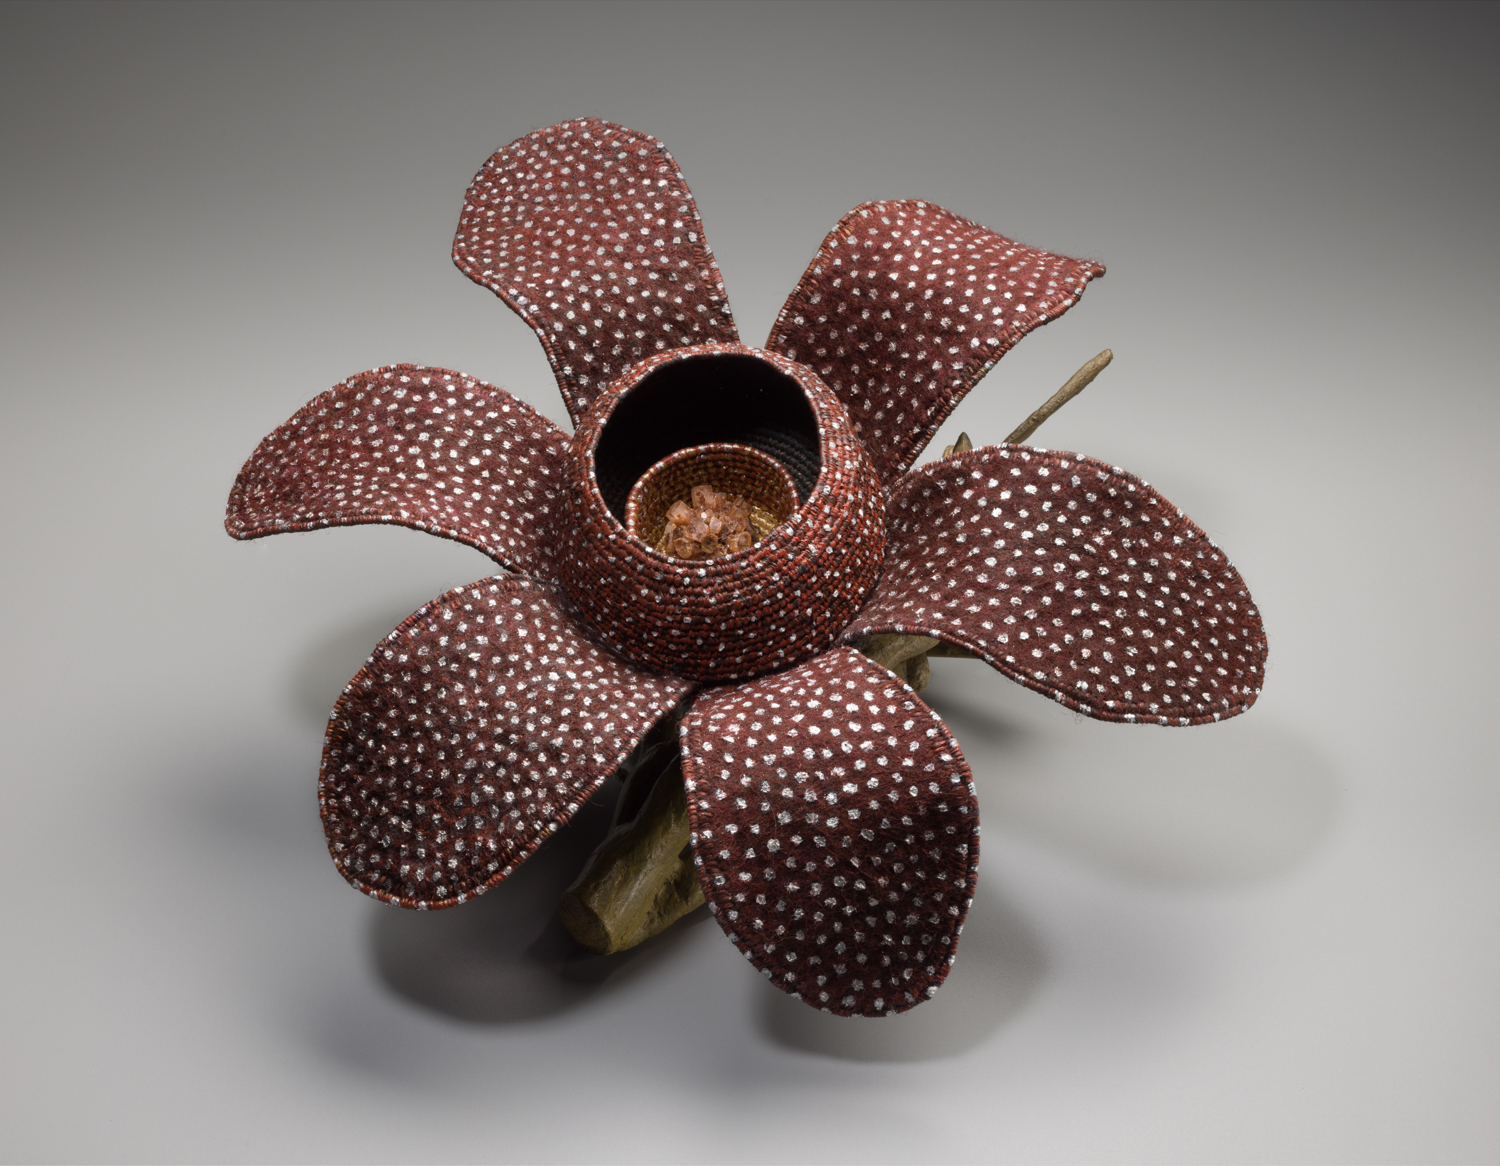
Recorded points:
(834, 829)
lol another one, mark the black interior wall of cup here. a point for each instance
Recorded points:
(705, 399)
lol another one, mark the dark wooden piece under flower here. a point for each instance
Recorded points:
(641, 879)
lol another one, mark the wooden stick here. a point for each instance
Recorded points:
(1076, 384)
(641, 878)
(894, 648)
(962, 445)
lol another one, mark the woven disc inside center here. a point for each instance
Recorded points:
(733, 472)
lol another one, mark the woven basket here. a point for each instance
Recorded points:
(733, 469)
(739, 615)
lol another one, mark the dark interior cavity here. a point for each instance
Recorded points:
(703, 399)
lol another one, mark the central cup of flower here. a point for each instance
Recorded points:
(747, 424)
(710, 500)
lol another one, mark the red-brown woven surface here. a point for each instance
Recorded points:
(478, 727)
(770, 607)
(1073, 578)
(421, 447)
(587, 231)
(904, 308)
(834, 819)
(835, 831)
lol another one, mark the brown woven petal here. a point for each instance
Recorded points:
(587, 231)
(904, 308)
(1073, 578)
(413, 446)
(478, 727)
(835, 832)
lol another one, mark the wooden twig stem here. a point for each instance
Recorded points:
(905, 655)
(1076, 384)
(641, 879)
(962, 445)
(894, 648)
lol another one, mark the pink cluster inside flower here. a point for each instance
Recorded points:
(714, 524)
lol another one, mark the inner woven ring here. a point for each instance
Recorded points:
(730, 469)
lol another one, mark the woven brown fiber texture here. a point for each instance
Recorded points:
(834, 822)
(478, 727)
(411, 446)
(587, 230)
(904, 308)
(770, 607)
(733, 469)
(1073, 578)
(835, 831)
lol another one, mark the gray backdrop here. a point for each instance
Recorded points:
(1274, 939)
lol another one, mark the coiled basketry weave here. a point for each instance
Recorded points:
(746, 614)
(741, 470)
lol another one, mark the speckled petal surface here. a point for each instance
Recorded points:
(1073, 578)
(904, 308)
(478, 727)
(835, 831)
(588, 231)
(421, 447)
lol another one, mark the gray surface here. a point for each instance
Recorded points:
(1276, 939)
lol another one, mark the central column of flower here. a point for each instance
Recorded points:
(645, 569)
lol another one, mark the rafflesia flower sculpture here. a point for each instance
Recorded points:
(778, 762)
